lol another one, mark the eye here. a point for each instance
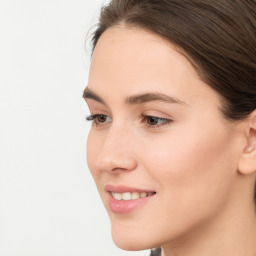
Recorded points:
(98, 119)
(155, 122)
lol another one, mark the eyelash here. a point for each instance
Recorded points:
(144, 119)
(93, 118)
(164, 121)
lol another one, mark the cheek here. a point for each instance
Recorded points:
(92, 151)
(94, 145)
(192, 167)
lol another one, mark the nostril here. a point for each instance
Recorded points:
(113, 162)
(114, 153)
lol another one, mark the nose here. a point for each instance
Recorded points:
(117, 152)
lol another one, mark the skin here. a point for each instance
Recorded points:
(201, 205)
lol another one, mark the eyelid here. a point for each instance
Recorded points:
(158, 114)
(161, 120)
(96, 122)
(93, 116)
(165, 121)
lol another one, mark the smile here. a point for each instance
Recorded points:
(131, 195)
(123, 200)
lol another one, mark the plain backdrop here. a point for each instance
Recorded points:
(48, 201)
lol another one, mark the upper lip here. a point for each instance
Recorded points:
(123, 189)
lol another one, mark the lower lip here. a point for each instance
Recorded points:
(127, 206)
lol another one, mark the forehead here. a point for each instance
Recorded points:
(122, 46)
(131, 61)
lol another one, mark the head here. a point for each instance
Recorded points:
(173, 97)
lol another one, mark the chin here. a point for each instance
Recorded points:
(130, 244)
(133, 240)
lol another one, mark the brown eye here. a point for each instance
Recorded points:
(101, 118)
(155, 122)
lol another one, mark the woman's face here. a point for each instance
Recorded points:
(157, 129)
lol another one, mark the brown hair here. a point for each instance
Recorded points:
(218, 37)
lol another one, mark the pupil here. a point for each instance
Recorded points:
(152, 120)
(101, 118)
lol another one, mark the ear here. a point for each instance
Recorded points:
(247, 162)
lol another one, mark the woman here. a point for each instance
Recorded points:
(172, 148)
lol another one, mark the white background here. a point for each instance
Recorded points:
(48, 201)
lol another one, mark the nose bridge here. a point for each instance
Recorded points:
(117, 152)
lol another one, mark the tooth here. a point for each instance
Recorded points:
(130, 195)
(117, 196)
(143, 194)
(135, 195)
(126, 196)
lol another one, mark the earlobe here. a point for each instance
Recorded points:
(249, 149)
(247, 162)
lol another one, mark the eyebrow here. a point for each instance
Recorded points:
(136, 99)
(89, 94)
(152, 96)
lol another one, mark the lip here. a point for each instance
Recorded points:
(123, 189)
(126, 206)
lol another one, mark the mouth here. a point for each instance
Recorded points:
(131, 195)
(124, 199)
